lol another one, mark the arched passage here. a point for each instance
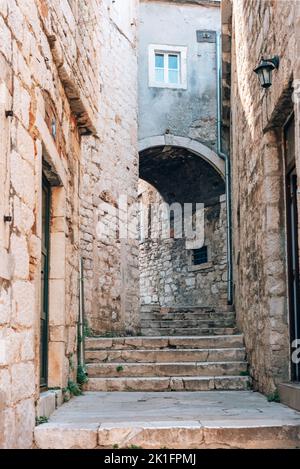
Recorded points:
(189, 144)
(179, 270)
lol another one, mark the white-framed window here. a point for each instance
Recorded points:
(167, 66)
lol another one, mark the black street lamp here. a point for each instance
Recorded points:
(265, 69)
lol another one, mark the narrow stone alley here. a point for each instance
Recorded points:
(149, 224)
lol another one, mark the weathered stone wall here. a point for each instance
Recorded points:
(262, 28)
(110, 171)
(48, 78)
(167, 274)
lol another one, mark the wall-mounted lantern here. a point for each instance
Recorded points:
(265, 69)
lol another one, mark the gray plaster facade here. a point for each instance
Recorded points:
(187, 112)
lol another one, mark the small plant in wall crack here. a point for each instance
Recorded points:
(87, 330)
(82, 376)
(40, 420)
(120, 368)
(274, 396)
(73, 389)
(71, 362)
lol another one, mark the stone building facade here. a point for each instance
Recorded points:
(168, 275)
(188, 110)
(54, 143)
(265, 156)
(178, 145)
(110, 167)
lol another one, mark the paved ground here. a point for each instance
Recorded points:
(182, 419)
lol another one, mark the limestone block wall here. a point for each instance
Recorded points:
(110, 170)
(49, 80)
(261, 28)
(167, 275)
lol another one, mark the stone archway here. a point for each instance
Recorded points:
(178, 170)
(189, 144)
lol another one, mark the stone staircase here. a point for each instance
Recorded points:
(181, 349)
(167, 363)
(183, 321)
(152, 419)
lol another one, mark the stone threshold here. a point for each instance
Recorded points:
(191, 420)
(168, 435)
(290, 394)
(48, 402)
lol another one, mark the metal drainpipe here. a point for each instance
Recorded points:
(225, 157)
(81, 360)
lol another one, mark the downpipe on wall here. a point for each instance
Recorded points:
(225, 157)
(80, 346)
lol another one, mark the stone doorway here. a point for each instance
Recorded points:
(44, 316)
(178, 271)
(292, 245)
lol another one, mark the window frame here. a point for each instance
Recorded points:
(203, 252)
(166, 51)
(198, 267)
(166, 68)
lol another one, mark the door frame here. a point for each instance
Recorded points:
(45, 251)
(292, 240)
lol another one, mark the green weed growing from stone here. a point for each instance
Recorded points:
(274, 396)
(74, 388)
(40, 420)
(82, 377)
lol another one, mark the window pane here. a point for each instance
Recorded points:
(159, 60)
(173, 62)
(159, 75)
(200, 256)
(173, 76)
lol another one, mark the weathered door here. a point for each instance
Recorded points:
(45, 282)
(293, 247)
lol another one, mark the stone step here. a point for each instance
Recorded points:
(174, 420)
(167, 355)
(188, 331)
(186, 323)
(113, 370)
(181, 308)
(195, 311)
(178, 383)
(154, 343)
(180, 315)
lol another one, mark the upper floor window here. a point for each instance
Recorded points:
(200, 256)
(167, 66)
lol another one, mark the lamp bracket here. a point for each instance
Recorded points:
(274, 60)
